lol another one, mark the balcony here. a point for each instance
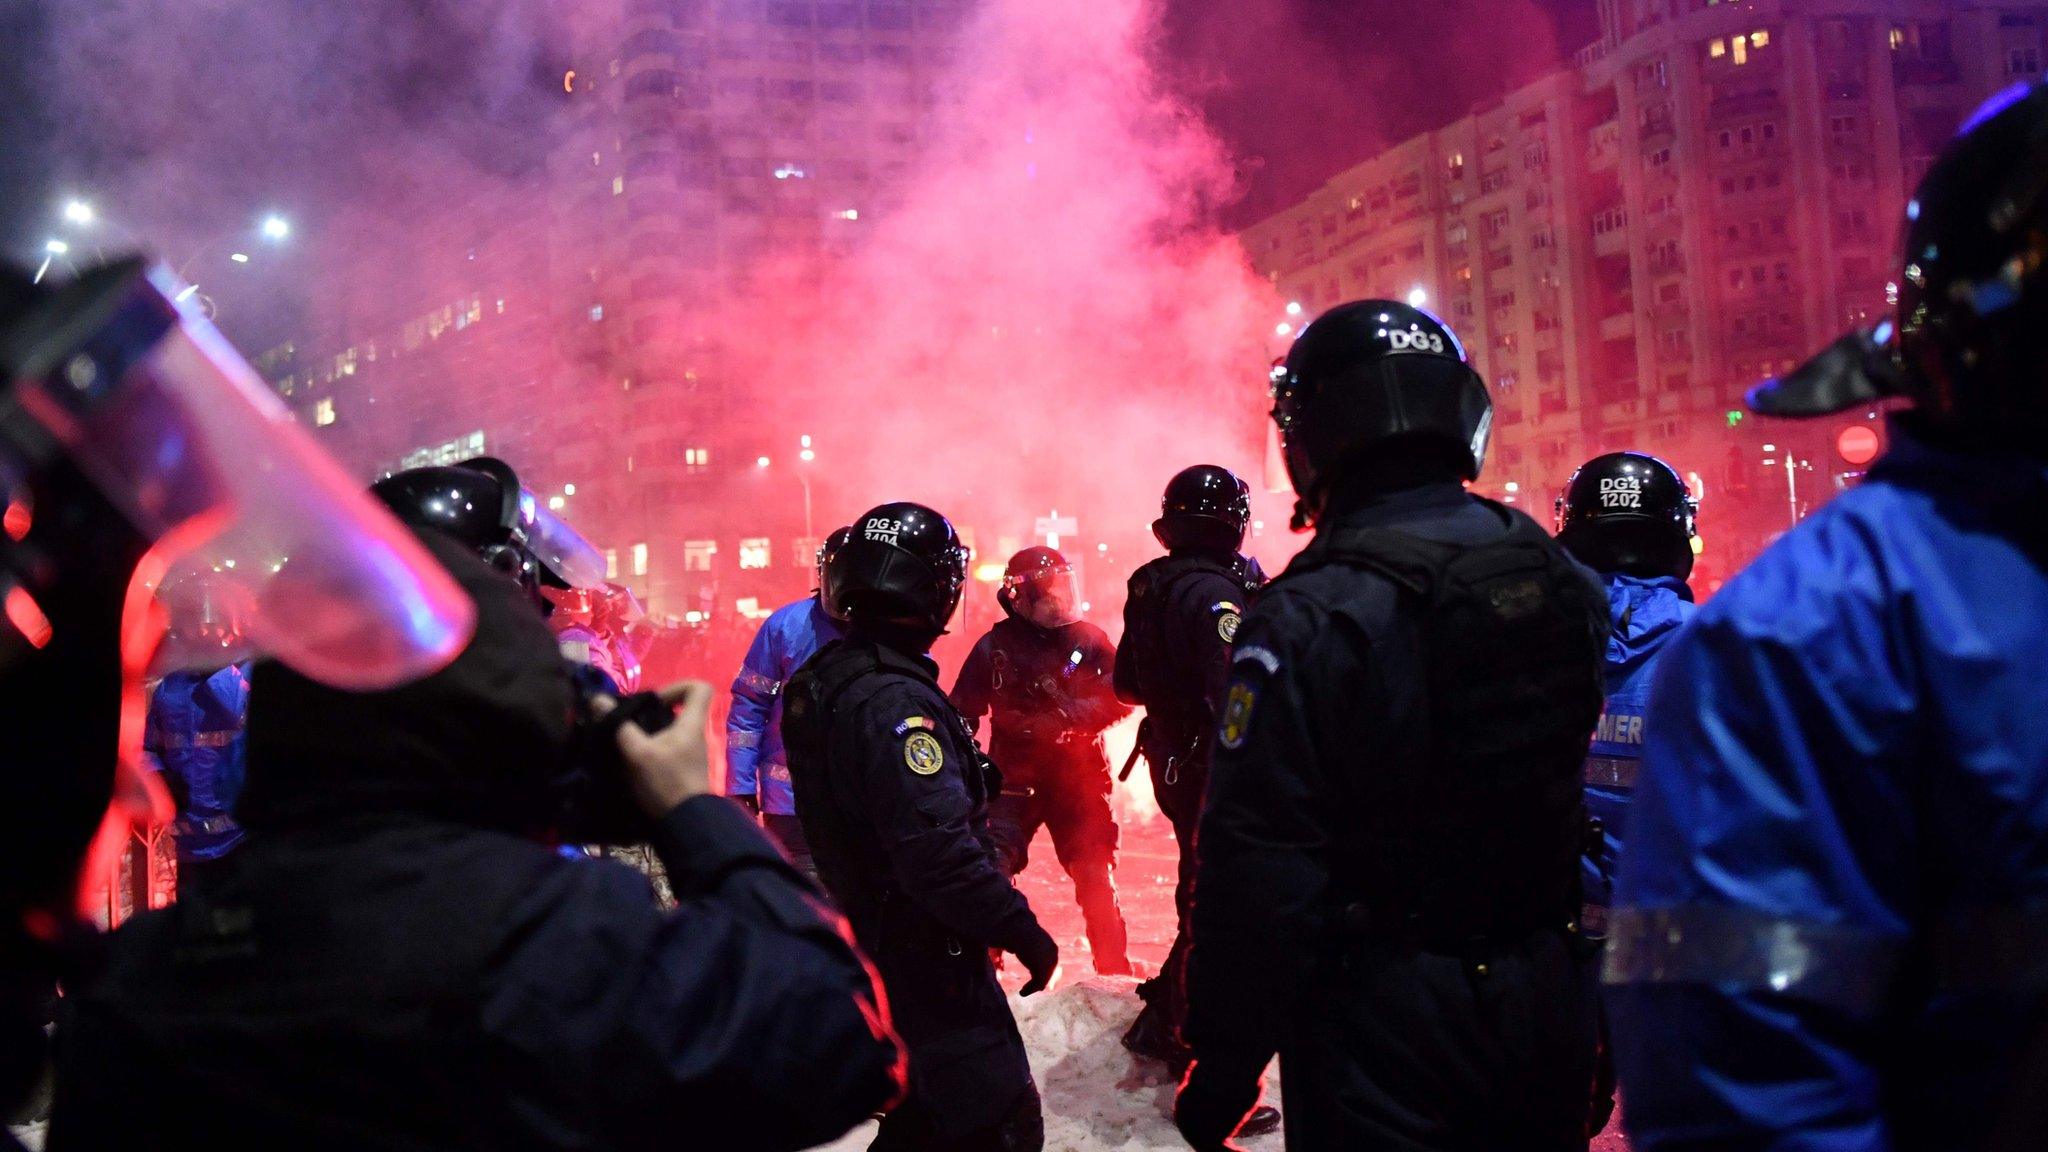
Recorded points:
(1613, 242)
(1926, 71)
(1740, 105)
(1620, 326)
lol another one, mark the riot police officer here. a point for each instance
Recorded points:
(756, 765)
(1631, 519)
(893, 793)
(1389, 852)
(1828, 922)
(1045, 674)
(1179, 617)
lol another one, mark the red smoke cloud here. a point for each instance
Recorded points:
(1053, 318)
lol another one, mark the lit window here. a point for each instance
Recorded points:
(1719, 48)
(323, 412)
(1741, 49)
(596, 313)
(1898, 38)
(639, 559)
(697, 555)
(1761, 38)
(696, 459)
(754, 552)
(618, 185)
(611, 563)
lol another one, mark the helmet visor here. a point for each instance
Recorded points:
(178, 433)
(562, 550)
(1049, 597)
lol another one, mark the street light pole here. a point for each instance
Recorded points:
(805, 480)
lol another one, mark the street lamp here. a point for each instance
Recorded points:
(275, 228)
(78, 212)
(1417, 297)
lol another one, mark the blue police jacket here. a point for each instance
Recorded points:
(194, 731)
(755, 763)
(1829, 923)
(1646, 614)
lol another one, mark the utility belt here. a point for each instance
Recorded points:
(1617, 772)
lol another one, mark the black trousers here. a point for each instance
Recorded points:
(1180, 801)
(1492, 1050)
(1084, 837)
(788, 834)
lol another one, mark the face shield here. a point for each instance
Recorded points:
(1047, 597)
(561, 550)
(179, 435)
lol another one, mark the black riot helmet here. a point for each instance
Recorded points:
(1970, 333)
(827, 547)
(1206, 507)
(1628, 512)
(477, 503)
(1369, 375)
(1040, 585)
(904, 563)
(480, 503)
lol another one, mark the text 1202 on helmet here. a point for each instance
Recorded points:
(1365, 375)
(1629, 512)
(1205, 507)
(1970, 331)
(903, 564)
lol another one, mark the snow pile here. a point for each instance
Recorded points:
(1098, 1097)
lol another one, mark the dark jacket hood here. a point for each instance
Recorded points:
(485, 741)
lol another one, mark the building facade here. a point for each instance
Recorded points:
(705, 152)
(1709, 194)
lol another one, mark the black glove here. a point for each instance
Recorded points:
(1041, 957)
(1214, 1099)
(751, 801)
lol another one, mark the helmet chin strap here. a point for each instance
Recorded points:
(1304, 517)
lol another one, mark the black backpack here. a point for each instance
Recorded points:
(1483, 838)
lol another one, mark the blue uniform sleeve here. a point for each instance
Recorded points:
(1762, 892)
(754, 693)
(744, 1018)
(1261, 849)
(913, 787)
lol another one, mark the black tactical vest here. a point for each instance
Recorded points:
(1173, 692)
(1482, 839)
(846, 847)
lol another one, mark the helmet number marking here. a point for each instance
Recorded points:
(1405, 340)
(1621, 492)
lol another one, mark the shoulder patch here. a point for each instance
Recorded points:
(1237, 714)
(917, 723)
(921, 752)
(1228, 616)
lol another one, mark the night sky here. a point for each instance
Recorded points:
(1298, 89)
(1301, 89)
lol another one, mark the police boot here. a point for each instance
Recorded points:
(1263, 1120)
(1153, 1036)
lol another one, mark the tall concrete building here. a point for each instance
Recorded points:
(705, 150)
(1707, 195)
(722, 147)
